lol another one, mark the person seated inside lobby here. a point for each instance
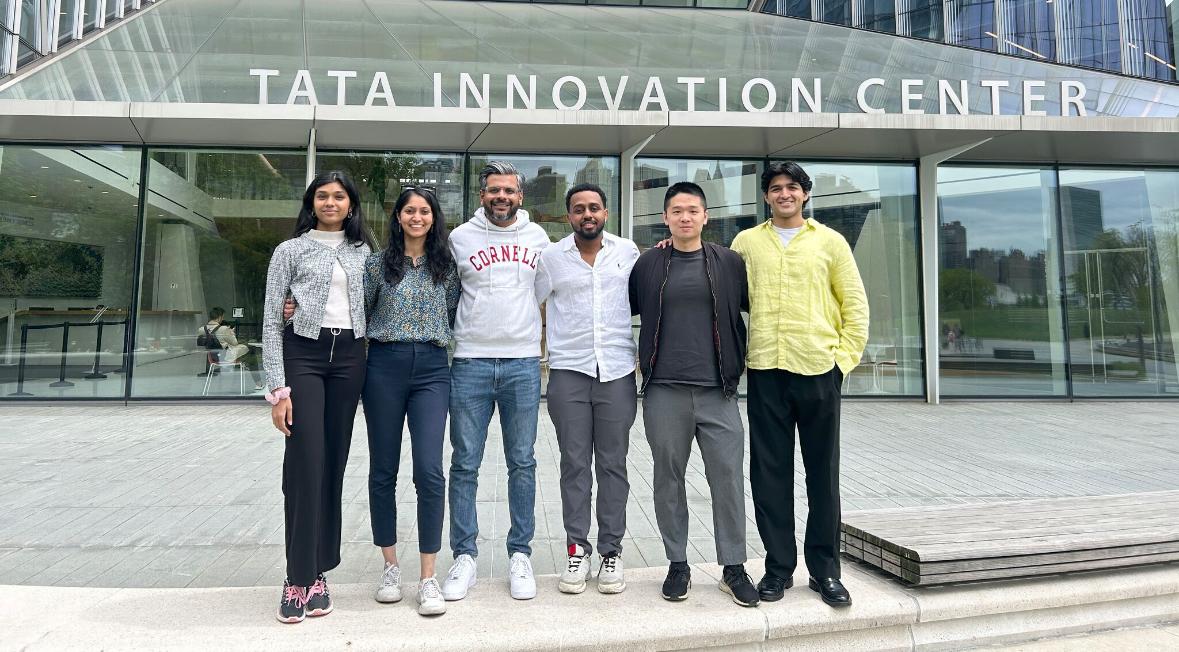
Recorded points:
(226, 346)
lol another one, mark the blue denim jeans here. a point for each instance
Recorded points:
(477, 386)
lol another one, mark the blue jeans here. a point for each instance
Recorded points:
(477, 386)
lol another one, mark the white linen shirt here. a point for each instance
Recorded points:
(588, 314)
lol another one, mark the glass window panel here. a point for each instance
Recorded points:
(30, 21)
(792, 8)
(90, 17)
(1158, 59)
(212, 221)
(381, 176)
(112, 6)
(1090, 35)
(971, 23)
(1031, 26)
(1121, 240)
(836, 12)
(922, 19)
(722, 4)
(546, 179)
(999, 296)
(68, 14)
(67, 248)
(732, 188)
(875, 208)
(878, 15)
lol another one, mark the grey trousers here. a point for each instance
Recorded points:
(673, 416)
(593, 421)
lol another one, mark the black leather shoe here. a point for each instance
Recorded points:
(771, 587)
(831, 590)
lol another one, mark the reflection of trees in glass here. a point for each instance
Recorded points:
(244, 176)
(962, 288)
(48, 268)
(379, 178)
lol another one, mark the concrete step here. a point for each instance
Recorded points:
(885, 616)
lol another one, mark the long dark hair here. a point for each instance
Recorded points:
(355, 230)
(438, 257)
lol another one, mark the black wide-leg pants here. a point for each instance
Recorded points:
(325, 376)
(779, 401)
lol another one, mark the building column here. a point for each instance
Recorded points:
(931, 262)
(626, 200)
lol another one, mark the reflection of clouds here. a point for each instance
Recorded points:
(1008, 220)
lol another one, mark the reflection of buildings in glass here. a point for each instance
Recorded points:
(830, 208)
(1014, 273)
(594, 171)
(546, 194)
(953, 245)
(650, 176)
(1082, 209)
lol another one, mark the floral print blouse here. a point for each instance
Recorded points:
(416, 309)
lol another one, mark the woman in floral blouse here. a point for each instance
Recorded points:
(411, 295)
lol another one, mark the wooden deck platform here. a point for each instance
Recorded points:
(959, 543)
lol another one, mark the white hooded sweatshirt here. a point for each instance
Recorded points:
(498, 316)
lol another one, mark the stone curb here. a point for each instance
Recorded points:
(885, 616)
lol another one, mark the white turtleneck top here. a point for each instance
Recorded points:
(336, 313)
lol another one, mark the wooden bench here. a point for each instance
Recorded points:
(959, 543)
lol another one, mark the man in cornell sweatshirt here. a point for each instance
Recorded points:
(496, 363)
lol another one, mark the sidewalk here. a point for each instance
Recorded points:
(188, 496)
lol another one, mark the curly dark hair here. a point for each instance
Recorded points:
(438, 257)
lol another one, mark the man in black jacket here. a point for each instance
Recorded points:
(691, 354)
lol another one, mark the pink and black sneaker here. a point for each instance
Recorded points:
(319, 601)
(293, 606)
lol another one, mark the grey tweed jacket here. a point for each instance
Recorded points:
(303, 267)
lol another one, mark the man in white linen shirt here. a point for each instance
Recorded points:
(591, 391)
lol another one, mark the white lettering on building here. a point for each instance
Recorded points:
(758, 94)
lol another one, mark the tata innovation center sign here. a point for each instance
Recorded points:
(753, 95)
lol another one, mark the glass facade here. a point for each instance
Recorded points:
(732, 188)
(999, 283)
(1131, 37)
(212, 219)
(874, 206)
(1121, 253)
(67, 250)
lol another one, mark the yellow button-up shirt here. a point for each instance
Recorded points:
(807, 307)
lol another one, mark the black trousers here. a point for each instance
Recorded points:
(325, 376)
(779, 401)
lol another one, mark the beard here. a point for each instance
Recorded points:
(588, 231)
(490, 212)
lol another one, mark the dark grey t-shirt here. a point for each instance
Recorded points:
(687, 351)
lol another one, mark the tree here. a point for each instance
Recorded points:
(963, 288)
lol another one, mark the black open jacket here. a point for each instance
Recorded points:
(730, 292)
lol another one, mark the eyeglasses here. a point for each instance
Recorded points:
(430, 189)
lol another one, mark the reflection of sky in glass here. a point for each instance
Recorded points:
(1001, 208)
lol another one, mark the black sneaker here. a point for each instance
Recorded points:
(679, 580)
(319, 601)
(735, 581)
(294, 602)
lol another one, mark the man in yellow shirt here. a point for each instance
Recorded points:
(808, 324)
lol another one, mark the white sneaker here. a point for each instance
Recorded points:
(523, 584)
(577, 571)
(430, 602)
(610, 578)
(460, 578)
(389, 588)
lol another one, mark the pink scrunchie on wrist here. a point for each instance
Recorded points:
(277, 395)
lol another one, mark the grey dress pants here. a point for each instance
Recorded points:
(674, 415)
(593, 421)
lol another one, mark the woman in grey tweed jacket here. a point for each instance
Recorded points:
(315, 369)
